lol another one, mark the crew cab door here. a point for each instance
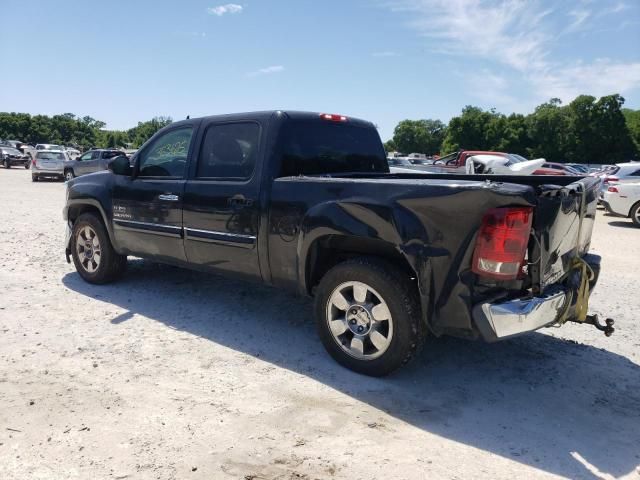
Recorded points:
(221, 203)
(80, 166)
(147, 208)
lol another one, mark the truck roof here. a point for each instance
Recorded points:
(266, 114)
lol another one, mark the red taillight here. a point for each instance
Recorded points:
(501, 244)
(612, 189)
(333, 117)
(33, 162)
(611, 179)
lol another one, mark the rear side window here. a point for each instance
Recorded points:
(318, 147)
(229, 151)
(167, 155)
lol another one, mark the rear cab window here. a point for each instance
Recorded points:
(316, 147)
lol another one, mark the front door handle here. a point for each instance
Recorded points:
(169, 197)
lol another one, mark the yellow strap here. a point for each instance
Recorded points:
(582, 295)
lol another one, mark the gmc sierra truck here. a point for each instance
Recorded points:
(305, 202)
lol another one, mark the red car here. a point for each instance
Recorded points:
(551, 168)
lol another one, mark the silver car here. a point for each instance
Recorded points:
(48, 163)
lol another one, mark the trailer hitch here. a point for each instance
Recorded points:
(607, 327)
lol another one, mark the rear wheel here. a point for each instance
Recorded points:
(7, 163)
(368, 316)
(69, 175)
(93, 255)
(635, 214)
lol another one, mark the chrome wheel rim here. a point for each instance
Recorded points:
(359, 320)
(636, 214)
(88, 249)
(69, 176)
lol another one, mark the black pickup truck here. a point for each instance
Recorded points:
(305, 202)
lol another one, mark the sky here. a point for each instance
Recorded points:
(125, 61)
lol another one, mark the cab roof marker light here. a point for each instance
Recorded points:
(333, 117)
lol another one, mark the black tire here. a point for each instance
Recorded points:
(69, 174)
(34, 178)
(634, 213)
(27, 165)
(7, 164)
(111, 264)
(397, 291)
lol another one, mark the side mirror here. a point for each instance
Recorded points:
(120, 166)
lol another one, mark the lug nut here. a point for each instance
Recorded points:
(360, 328)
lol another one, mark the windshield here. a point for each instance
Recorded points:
(11, 151)
(312, 147)
(515, 158)
(50, 156)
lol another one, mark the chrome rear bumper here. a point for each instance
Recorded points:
(497, 321)
(509, 318)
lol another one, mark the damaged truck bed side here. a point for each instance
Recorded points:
(305, 202)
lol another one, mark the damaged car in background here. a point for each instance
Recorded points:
(305, 202)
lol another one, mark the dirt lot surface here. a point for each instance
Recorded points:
(171, 374)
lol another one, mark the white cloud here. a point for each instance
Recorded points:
(266, 71)
(519, 35)
(221, 10)
(579, 18)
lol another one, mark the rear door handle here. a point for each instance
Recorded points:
(168, 197)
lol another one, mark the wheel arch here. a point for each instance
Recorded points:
(329, 250)
(75, 208)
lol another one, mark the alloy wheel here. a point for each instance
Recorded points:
(359, 320)
(88, 249)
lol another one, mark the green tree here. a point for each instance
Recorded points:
(475, 129)
(632, 118)
(419, 136)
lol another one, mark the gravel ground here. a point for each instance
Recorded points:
(171, 374)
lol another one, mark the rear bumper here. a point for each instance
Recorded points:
(498, 321)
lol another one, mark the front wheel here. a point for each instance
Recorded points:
(7, 164)
(368, 316)
(69, 175)
(27, 165)
(93, 255)
(34, 178)
(635, 214)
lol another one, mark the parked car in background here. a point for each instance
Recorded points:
(552, 168)
(49, 146)
(620, 173)
(73, 153)
(90, 162)
(579, 167)
(11, 157)
(624, 199)
(482, 162)
(48, 164)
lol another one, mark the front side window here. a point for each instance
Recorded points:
(167, 155)
(85, 157)
(229, 151)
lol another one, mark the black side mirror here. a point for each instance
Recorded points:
(120, 166)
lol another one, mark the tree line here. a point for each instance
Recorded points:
(587, 130)
(71, 130)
